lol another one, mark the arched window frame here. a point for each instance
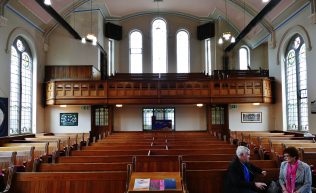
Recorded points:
(131, 54)
(153, 47)
(111, 48)
(241, 66)
(188, 52)
(208, 56)
(21, 88)
(296, 84)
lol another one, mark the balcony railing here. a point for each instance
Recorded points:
(232, 90)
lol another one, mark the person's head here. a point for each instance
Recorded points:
(243, 153)
(290, 154)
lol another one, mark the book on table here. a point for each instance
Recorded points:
(141, 183)
(170, 183)
(156, 185)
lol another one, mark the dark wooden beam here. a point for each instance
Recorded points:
(52, 12)
(2, 4)
(253, 23)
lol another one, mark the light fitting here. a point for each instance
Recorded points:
(226, 36)
(90, 36)
(63, 106)
(256, 104)
(265, 1)
(199, 105)
(47, 2)
(119, 105)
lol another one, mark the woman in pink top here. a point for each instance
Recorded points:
(295, 175)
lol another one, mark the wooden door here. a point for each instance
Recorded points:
(101, 122)
(217, 120)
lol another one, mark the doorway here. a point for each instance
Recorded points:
(217, 120)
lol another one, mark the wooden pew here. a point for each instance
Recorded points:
(7, 160)
(121, 147)
(40, 151)
(24, 156)
(208, 157)
(83, 167)
(95, 159)
(157, 164)
(54, 147)
(252, 138)
(65, 141)
(70, 182)
(193, 151)
(209, 165)
(108, 152)
(167, 146)
(277, 145)
(211, 181)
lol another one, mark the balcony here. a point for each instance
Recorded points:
(160, 90)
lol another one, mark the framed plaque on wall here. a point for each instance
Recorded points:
(68, 119)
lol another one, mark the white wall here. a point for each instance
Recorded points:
(52, 117)
(17, 26)
(63, 49)
(188, 118)
(268, 117)
(300, 23)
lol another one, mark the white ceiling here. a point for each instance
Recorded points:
(239, 12)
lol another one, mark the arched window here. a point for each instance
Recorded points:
(21, 88)
(159, 43)
(136, 52)
(111, 69)
(183, 52)
(208, 62)
(296, 85)
(244, 58)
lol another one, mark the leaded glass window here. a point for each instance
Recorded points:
(21, 81)
(159, 46)
(136, 52)
(158, 114)
(296, 85)
(147, 118)
(102, 116)
(183, 52)
(218, 115)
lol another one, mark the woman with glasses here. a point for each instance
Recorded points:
(295, 175)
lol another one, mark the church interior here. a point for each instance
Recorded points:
(108, 95)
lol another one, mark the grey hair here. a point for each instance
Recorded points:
(242, 150)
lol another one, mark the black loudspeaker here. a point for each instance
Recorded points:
(3, 117)
(112, 31)
(205, 31)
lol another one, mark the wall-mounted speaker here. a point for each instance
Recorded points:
(206, 31)
(112, 31)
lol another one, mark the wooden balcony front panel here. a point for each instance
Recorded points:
(246, 90)
(76, 92)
